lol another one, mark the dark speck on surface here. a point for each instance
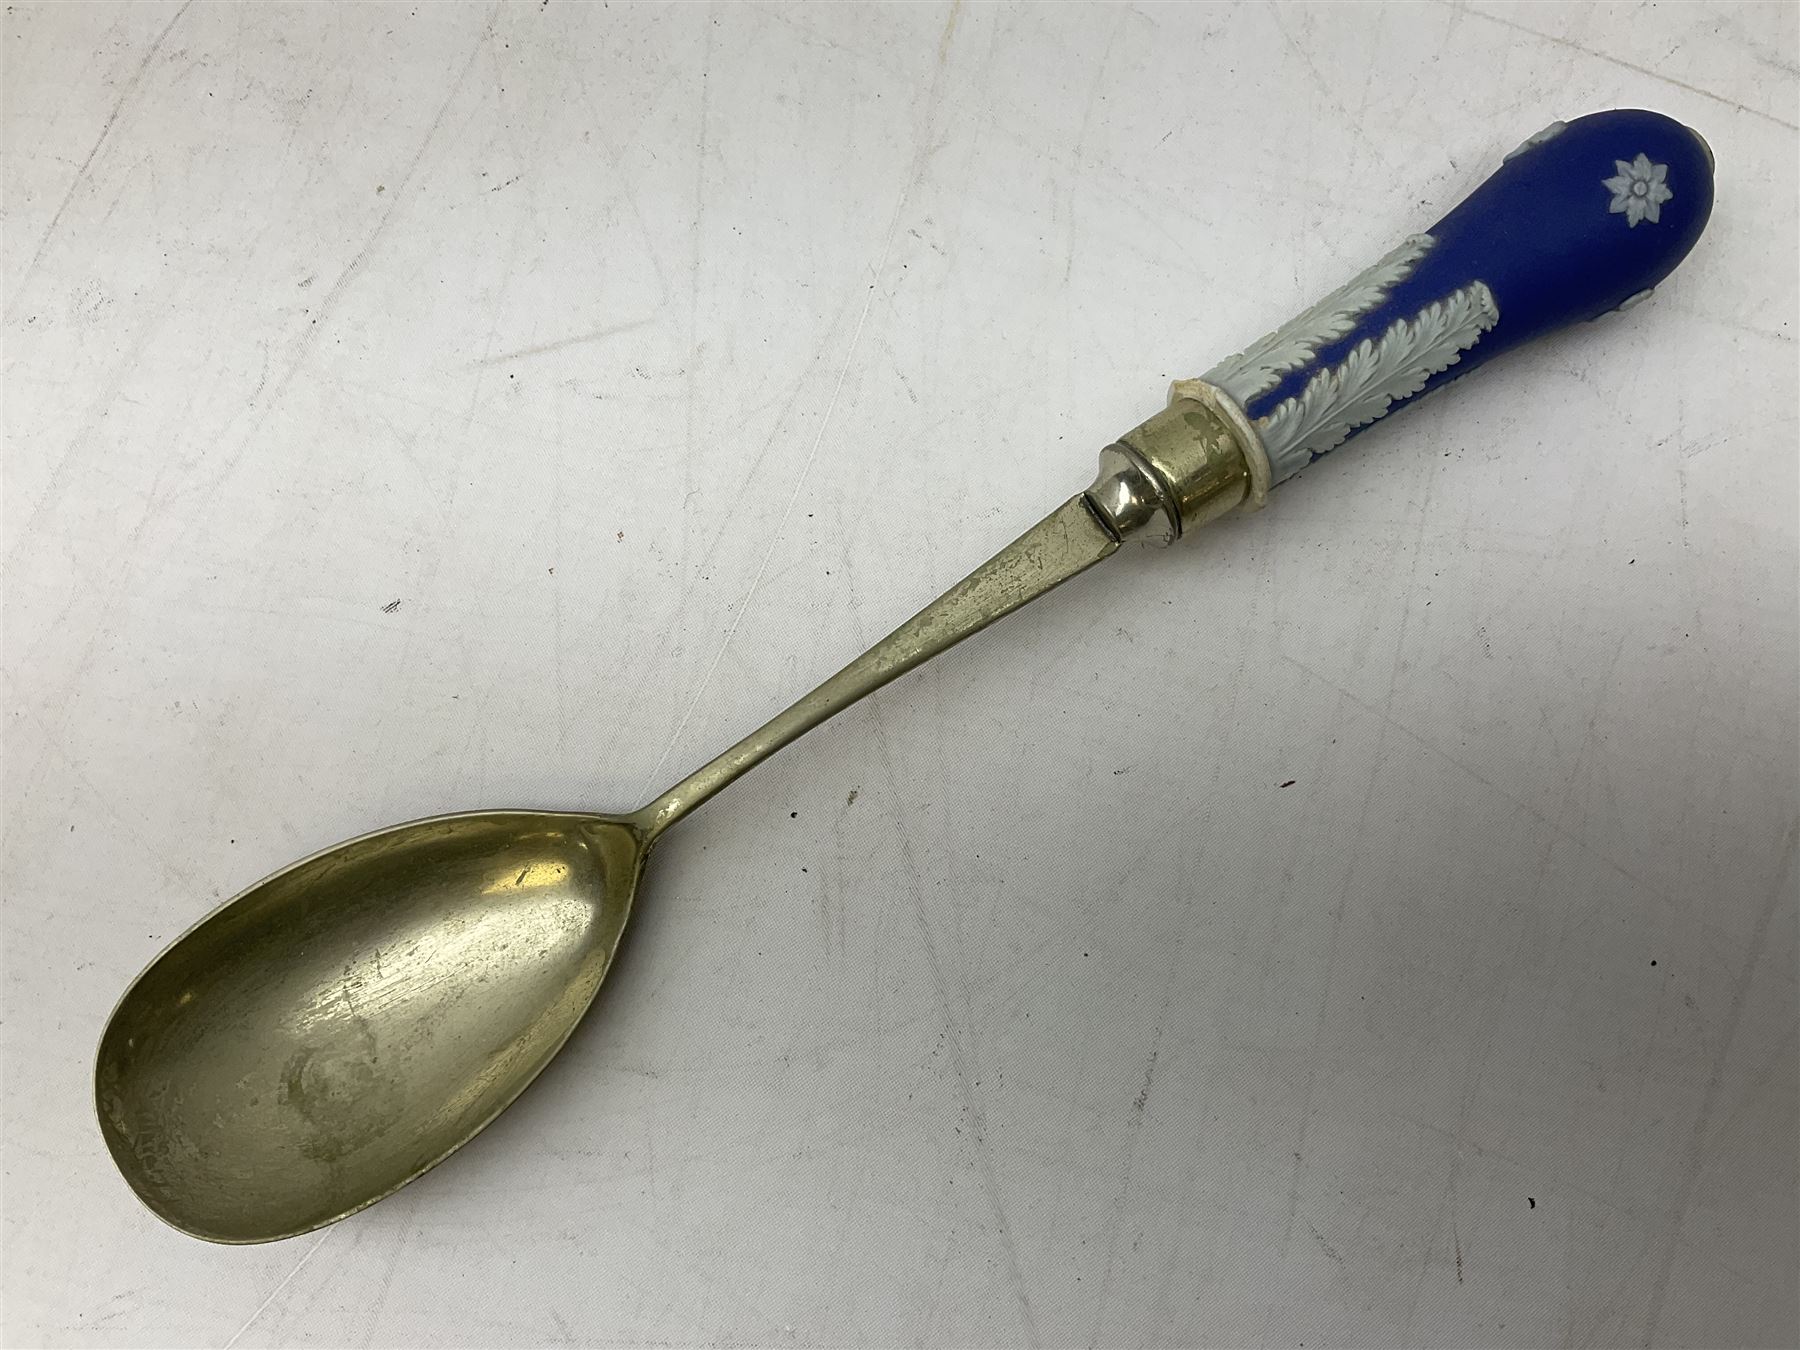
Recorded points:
(1290, 782)
(1531, 1202)
(793, 815)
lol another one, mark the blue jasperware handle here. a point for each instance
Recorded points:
(1583, 219)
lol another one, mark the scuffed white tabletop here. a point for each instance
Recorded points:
(1373, 923)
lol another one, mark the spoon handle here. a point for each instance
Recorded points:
(1582, 220)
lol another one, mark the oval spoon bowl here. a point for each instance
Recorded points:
(347, 1023)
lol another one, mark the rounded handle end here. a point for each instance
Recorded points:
(1584, 218)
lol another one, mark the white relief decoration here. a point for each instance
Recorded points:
(1639, 189)
(1375, 374)
(1549, 133)
(1260, 366)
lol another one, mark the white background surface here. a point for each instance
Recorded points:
(656, 360)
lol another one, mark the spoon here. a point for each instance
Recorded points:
(344, 1025)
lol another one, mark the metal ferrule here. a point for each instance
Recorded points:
(1186, 466)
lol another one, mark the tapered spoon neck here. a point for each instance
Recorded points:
(1189, 464)
(653, 819)
(1068, 541)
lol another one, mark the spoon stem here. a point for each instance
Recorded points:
(1069, 540)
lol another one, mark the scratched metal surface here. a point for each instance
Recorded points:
(1371, 925)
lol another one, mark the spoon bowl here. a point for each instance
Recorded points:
(347, 1023)
(342, 1026)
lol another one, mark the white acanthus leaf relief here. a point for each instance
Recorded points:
(1376, 373)
(1639, 189)
(1549, 133)
(1260, 366)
